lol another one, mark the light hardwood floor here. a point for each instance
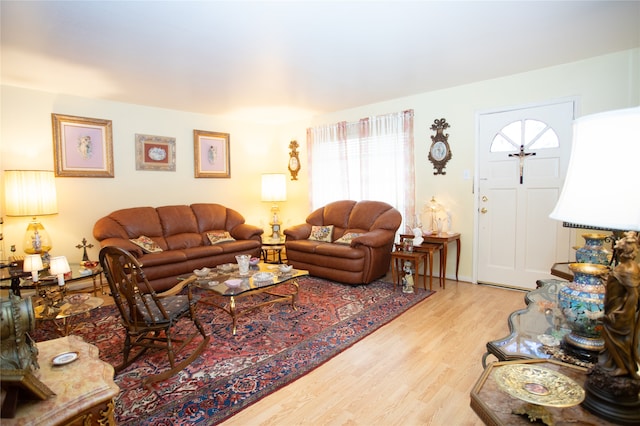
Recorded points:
(417, 370)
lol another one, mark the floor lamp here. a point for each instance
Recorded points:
(601, 192)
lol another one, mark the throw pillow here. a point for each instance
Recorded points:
(321, 233)
(346, 238)
(146, 244)
(216, 237)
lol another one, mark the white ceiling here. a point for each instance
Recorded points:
(285, 60)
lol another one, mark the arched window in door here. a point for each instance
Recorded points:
(527, 133)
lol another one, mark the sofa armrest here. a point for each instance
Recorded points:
(246, 232)
(375, 238)
(125, 244)
(298, 232)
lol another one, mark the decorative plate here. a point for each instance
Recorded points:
(65, 358)
(538, 385)
(263, 276)
(235, 283)
(77, 299)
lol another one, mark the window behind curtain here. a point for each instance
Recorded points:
(371, 159)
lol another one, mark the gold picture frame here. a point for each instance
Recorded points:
(82, 147)
(211, 154)
(155, 153)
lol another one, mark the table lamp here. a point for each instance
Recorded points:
(601, 192)
(33, 263)
(31, 193)
(59, 266)
(435, 208)
(274, 189)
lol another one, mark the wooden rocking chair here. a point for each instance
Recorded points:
(148, 319)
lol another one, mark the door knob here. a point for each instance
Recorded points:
(483, 210)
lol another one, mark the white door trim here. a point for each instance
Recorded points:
(476, 181)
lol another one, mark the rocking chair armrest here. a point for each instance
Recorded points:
(177, 288)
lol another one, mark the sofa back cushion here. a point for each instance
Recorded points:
(179, 227)
(356, 216)
(138, 221)
(215, 217)
(374, 215)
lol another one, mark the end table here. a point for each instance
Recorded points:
(84, 389)
(495, 407)
(397, 258)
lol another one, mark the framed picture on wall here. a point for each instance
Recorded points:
(155, 153)
(211, 150)
(82, 147)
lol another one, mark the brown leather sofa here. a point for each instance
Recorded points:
(181, 233)
(360, 260)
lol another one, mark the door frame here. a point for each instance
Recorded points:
(476, 177)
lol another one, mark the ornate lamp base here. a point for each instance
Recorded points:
(612, 398)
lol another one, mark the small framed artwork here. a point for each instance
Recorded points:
(82, 147)
(211, 150)
(155, 153)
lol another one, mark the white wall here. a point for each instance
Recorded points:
(601, 83)
(27, 144)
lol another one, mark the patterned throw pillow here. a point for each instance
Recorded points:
(146, 244)
(321, 233)
(346, 238)
(216, 237)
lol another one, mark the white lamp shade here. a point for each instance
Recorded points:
(601, 186)
(30, 193)
(59, 265)
(274, 187)
(32, 263)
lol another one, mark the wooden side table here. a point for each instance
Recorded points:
(84, 389)
(443, 238)
(430, 249)
(272, 247)
(398, 257)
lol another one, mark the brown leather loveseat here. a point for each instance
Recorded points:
(345, 241)
(175, 240)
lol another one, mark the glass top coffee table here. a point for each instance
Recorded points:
(535, 329)
(69, 308)
(262, 278)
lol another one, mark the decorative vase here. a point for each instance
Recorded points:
(593, 250)
(582, 303)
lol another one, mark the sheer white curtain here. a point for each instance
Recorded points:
(371, 159)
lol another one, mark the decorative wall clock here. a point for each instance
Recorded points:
(440, 151)
(294, 161)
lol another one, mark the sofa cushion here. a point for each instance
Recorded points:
(347, 238)
(202, 251)
(217, 237)
(183, 241)
(213, 217)
(321, 233)
(146, 244)
(177, 220)
(139, 221)
(162, 258)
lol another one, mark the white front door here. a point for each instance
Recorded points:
(523, 156)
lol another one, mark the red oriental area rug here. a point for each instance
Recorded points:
(274, 346)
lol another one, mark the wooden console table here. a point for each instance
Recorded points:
(494, 406)
(84, 389)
